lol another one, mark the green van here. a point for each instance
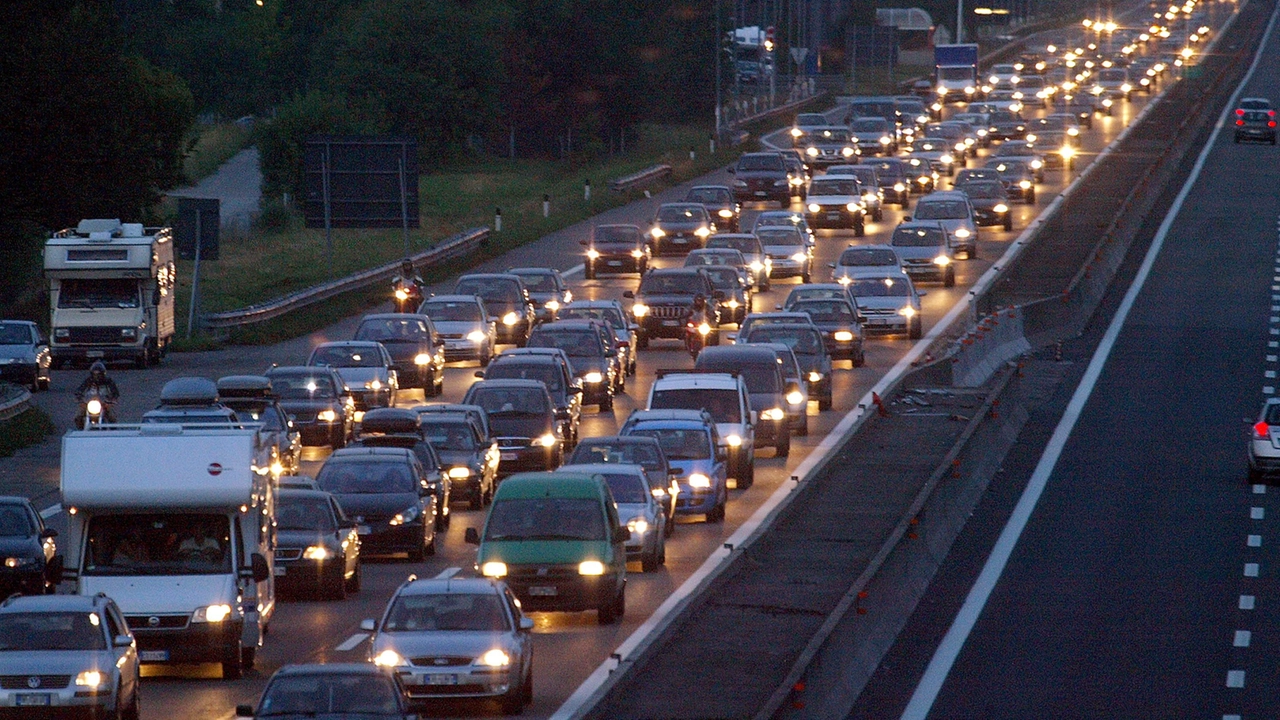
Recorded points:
(555, 539)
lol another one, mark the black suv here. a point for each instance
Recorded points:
(761, 176)
(564, 388)
(591, 352)
(664, 303)
(398, 428)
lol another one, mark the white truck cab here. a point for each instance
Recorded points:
(176, 524)
(725, 396)
(110, 292)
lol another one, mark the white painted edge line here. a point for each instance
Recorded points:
(834, 439)
(352, 642)
(447, 573)
(949, 649)
(51, 511)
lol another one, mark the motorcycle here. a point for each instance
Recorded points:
(696, 332)
(95, 409)
(407, 296)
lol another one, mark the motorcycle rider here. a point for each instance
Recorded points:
(694, 339)
(409, 288)
(106, 389)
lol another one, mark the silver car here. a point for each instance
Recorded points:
(790, 251)
(752, 251)
(456, 638)
(865, 261)
(67, 651)
(926, 251)
(888, 304)
(1264, 441)
(954, 211)
(464, 325)
(638, 510)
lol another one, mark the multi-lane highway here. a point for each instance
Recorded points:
(568, 647)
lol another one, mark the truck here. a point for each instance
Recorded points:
(177, 525)
(752, 54)
(955, 72)
(111, 287)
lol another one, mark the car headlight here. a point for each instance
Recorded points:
(422, 359)
(1126, 87)
(815, 376)
(327, 416)
(961, 147)
(17, 562)
(963, 232)
(552, 305)
(800, 257)
(91, 678)
(732, 304)
(885, 140)
(847, 152)
(698, 480)
(494, 658)
(725, 213)
(658, 492)
(734, 440)
(593, 254)
(844, 280)
(740, 183)
(1036, 164)
(811, 151)
(1067, 152)
(459, 472)
(1024, 184)
(639, 310)
(373, 385)
(590, 567)
(494, 569)
(853, 207)
(908, 312)
(814, 207)
(510, 319)
(547, 440)
(637, 253)
(797, 132)
(899, 187)
(593, 377)
(923, 179)
(942, 261)
(843, 336)
(774, 414)
(702, 232)
(211, 613)
(316, 552)
(946, 158)
(388, 658)
(638, 525)
(869, 197)
(129, 332)
(1107, 103)
(406, 516)
(756, 266)
(657, 232)
(476, 336)
(1001, 208)
(942, 90)
(795, 397)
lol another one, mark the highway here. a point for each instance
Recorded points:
(570, 646)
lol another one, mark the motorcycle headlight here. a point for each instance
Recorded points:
(510, 319)
(494, 658)
(704, 329)
(1001, 208)
(638, 525)
(389, 658)
(593, 254)
(732, 304)
(1067, 152)
(494, 569)
(422, 359)
(793, 181)
(734, 440)
(868, 197)
(91, 678)
(657, 232)
(800, 257)
(908, 312)
(942, 261)
(593, 377)
(316, 552)
(553, 305)
(774, 414)
(211, 613)
(547, 440)
(795, 397)
(590, 567)
(94, 407)
(814, 207)
(698, 480)
(658, 492)
(815, 376)
(639, 310)
(725, 213)
(476, 336)
(406, 516)
(402, 294)
(843, 336)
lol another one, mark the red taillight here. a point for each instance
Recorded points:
(1262, 430)
(1239, 122)
(1239, 111)
(1271, 123)
(1271, 113)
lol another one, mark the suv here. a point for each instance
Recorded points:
(414, 346)
(386, 491)
(767, 388)
(664, 303)
(829, 145)
(761, 176)
(399, 428)
(925, 249)
(524, 421)
(507, 300)
(1255, 121)
(724, 396)
(68, 653)
(691, 444)
(593, 354)
(554, 370)
(253, 399)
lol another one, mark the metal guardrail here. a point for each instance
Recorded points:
(16, 400)
(464, 243)
(635, 179)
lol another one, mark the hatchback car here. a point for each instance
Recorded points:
(365, 367)
(1017, 177)
(926, 250)
(638, 510)
(874, 135)
(317, 401)
(634, 450)
(894, 176)
(839, 321)
(990, 203)
(828, 146)
(547, 289)
(507, 300)
(414, 346)
(554, 370)
(1024, 151)
(464, 325)
(468, 455)
(759, 266)
(616, 249)
(332, 690)
(25, 358)
(591, 351)
(1253, 123)
(807, 343)
(31, 564)
(869, 179)
(1264, 441)
(524, 422)
(861, 260)
(612, 315)
(790, 251)
(719, 202)
(456, 638)
(399, 428)
(317, 546)
(689, 442)
(680, 227)
(385, 491)
(888, 304)
(67, 654)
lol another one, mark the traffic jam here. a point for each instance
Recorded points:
(591, 430)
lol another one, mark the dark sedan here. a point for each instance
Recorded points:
(615, 249)
(990, 203)
(639, 450)
(1017, 177)
(592, 354)
(384, 490)
(317, 546)
(806, 341)
(413, 344)
(317, 401)
(680, 227)
(523, 420)
(31, 564)
(718, 200)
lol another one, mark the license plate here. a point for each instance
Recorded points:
(94, 353)
(761, 193)
(833, 216)
(362, 530)
(878, 321)
(153, 655)
(681, 240)
(33, 699)
(670, 323)
(614, 263)
(510, 456)
(280, 570)
(441, 679)
(542, 591)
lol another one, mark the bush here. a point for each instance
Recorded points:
(24, 430)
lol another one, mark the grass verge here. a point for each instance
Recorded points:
(211, 147)
(24, 430)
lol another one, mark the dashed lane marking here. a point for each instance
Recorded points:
(448, 573)
(1257, 513)
(352, 642)
(1235, 678)
(1242, 638)
(1251, 569)
(1259, 489)
(1247, 602)
(1255, 541)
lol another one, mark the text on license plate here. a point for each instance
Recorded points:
(670, 323)
(33, 699)
(542, 591)
(153, 655)
(280, 570)
(441, 679)
(509, 455)
(614, 263)
(362, 530)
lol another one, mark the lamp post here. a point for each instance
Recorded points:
(719, 49)
(959, 21)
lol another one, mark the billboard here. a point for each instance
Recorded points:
(362, 181)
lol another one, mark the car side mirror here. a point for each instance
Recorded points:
(722, 455)
(526, 623)
(244, 711)
(48, 533)
(369, 625)
(258, 564)
(480, 373)
(831, 265)
(621, 534)
(629, 295)
(122, 641)
(922, 293)
(471, 536)
(633, 327)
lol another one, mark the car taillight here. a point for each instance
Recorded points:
(1239, 111)
(1239, 122)
(1261, 430)
(1271, 113)
(1271, 123)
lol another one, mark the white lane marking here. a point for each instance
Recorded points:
(573, 270)
(1242, 638)
(1251, 569)
(352, 642)
(1259, 489)
(1274, 331)
(1231, 717)
(1235, 678)
(1273, 344)
(1254, 541)
(1257, 513)
(948, 650)
(1268, 390)
(1247, 602)
(447, 573)
(1269, 374)
(1271, 358)
(50, 511)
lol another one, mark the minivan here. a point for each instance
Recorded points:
(762, 371)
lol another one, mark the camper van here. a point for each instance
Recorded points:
(176, 524)
(110, 292)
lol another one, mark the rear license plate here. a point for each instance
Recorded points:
(510, 456)
(33, 699)
(362, 530)
(878, 321)
(280, 570)
(441, 679)
(543, 591)
(153, 655)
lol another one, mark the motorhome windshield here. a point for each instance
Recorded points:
(98, 294)
(157, 544)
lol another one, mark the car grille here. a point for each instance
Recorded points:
(440, 661)
(304, 417)
(437, 690)
(165, 622)
(877, 311)
(23, 682)
(542, 573)
(288, 554)
(93, 335)
(668, 312)
(513, 443)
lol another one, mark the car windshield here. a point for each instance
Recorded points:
(14, 334)
(714, 195)
(985, 190)
(301, 386)
(722, 404)
(15, 522)
(780, 236)
(660, 283)
(825, 311)
(841, 186)
(98, 293)
(508, 400)
(1111, 75)
(918, 237)
(1000, 116)
(724, 277)
(680, 443)
(813, 293)
(449, 435)
(1255, 116)
(325, 693)
(871, 109)
(1010, 168)
(155, 544)
(539, 282)
(450, 311)
(870, 125)
(616, 234)
(699, 257)
(865, 175)
(607, 315)
(801, 340)
(549, 374)
(545, 518)
(305, 513)
(829, 135)
(879, 287)
(35, 631)
(810, 119)
(445, 612)
(756, 163)
(400, 330)
(868, 257)
(491, 290)
(346, 356)
(633, 453)
(575, 343)
(366, 477)
(680, 214)
(746, 245)
(760, 378)
(1014, 149)
(889, 171)
(627, 487)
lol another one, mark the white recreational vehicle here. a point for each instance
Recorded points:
(176, 524)
(110, 292)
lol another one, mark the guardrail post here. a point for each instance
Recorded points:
(586, 189)
(497, 219)
(546, 205)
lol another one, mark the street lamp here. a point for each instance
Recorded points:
(959, 21)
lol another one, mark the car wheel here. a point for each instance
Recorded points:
(134, 711)
(607, 614)
(642, 342)
(514, 699)
(418, 554)
(606, 403)
(949, 280)
(1031, 198)
(914, 329)
(803, 430)
(1008, 224)
(878, 215)
(649, 561)
(337, 590)
(860, 229)
(353, 585)
(429, 547)
(717, 513)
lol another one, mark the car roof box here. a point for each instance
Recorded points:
(390, 421)
(244, 386)
(189, 391)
